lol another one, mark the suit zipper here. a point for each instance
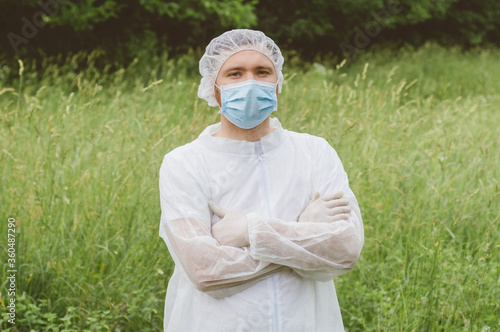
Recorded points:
(261, 158)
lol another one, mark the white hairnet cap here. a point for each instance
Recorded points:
(227, 44)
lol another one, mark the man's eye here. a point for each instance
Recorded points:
(234, 74)
(263, 72)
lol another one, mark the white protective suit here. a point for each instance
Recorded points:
(283, 280)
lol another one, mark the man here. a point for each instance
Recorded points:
(258, 219)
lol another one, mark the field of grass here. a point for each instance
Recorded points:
(417, 131)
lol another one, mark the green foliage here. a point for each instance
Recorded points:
(115, 26)
(321, 26)
(85, 15)
(421, 11)
(235, 12)
(416, 130)
(37, 315)
(311, 28)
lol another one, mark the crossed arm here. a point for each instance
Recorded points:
(219, 268)
(216, 269)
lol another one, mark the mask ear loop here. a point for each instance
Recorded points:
(220, 95)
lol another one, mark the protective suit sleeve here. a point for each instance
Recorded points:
(186, 228)
(315, 250)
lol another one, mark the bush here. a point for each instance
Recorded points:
(311, 28)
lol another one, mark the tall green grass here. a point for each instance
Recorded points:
(417, 131)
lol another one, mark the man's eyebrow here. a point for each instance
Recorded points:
(233, 68)
(266, 67)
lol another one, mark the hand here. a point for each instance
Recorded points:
(232, 229)
(328, 208)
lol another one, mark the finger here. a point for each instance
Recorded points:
(217, 209)
(329, 197)
(336, 202)
(315, 197)
(339, 217)
(339, 210)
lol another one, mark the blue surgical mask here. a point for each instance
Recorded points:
(249, 103)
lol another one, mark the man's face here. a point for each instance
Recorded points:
(245, 65)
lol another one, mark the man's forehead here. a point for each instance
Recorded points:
(248, 58)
